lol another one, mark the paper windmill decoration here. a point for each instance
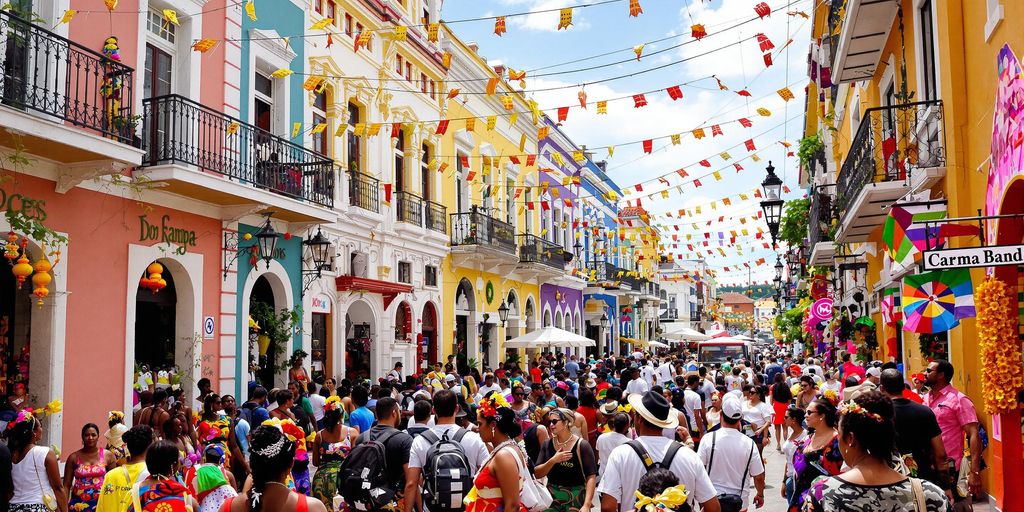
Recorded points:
(935, 301)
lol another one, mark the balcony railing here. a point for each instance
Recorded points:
(52, 75)
(533, 249)
(364, 191)
(410, 208)
(179, 130)
(600, 270)
(436, 216)
(476, 228)
(890, 142)
(670, 314)
(633, 282)
(817, 164)
(694, 316)
(820, 219)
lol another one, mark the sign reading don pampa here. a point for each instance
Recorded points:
(166, 233)
(967, 257)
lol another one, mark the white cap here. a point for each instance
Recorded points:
(732, 408)
(874, 372)
(449, 378)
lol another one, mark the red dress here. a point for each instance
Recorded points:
(486, 494)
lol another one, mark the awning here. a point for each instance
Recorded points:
(389, 290)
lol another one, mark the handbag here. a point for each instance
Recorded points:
(534, 496)
(729, 502)
(918, 490)
(49, 500)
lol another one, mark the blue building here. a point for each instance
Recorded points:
(599, 200)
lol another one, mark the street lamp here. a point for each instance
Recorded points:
(778, 270)
(578, 248)
(266, 240)
(503, 312)
(772, 205)
(778, 281)
(604, 321)
(320, 249)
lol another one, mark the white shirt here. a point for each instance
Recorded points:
(485, 389)
(789, 448)
(317, 401)
(708, 389)
(692, 402)
(757, 415)
(29, 476)
(647, 372)
(825, 386)
(622, 478)
(734, 452)
(734, 383)
(476, 450)
(605, 444)
(637, 386)
(665, 372)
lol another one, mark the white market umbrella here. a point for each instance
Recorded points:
(549, 337)
(743, 337)
(686, 334)
(717, 333)
(658, 344)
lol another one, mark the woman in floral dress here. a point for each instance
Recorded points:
(85, 469)
(819, 454)
(214, 428)
(331, 446)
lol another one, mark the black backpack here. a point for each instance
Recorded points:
(645, 457)
(362, 478)
(447, 474)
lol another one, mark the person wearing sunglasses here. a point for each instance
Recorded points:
(819, 454)
(523, 409)
(569, 464)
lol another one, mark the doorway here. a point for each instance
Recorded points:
(155, 332)
(428, 347)
(360, 331)
(320, 346)
(263, 309)
(15, 333)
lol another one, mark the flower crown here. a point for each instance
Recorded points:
(670, 499)
(488, 406)
(333, 403)
(24, 415)
(832, 396)
(115, 415)
(852, 407)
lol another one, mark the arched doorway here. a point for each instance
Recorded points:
(403, 322)
(155, 328)
(465, 306)
(263, 310)
(428, 345)
(360, 331)
(16, 305)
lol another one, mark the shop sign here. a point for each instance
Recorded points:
(990, 256)
(320, 304)
(32, 209)
(166, 233)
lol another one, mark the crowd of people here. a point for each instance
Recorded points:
(563, 434)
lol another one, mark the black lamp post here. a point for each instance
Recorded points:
(266, 240)
(778, 270)
(577, 248)
(604, 321)
(320, 249)
(503, 312)
(772, 204)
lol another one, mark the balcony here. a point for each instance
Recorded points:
(694, 316)
(897, 150)
(819, 227)
(482, 242)
(410, 208)
(364, 191)
(199, 152)
(669, 315)
(539, 258)
(65, 101)
(861, 29)
(436, 216)
(649, 289)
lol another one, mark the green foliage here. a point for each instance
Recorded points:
(279, 327)
(808, 147)
(793, 227)
(27, 224)
(757, 291)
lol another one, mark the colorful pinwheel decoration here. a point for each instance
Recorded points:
(936, 301)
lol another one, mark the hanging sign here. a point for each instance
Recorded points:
(320, 304)
(969, 257)
(822, 309)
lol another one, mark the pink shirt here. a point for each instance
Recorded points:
(954, 411)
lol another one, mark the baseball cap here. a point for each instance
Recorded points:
(873, 372)
(449, 378)
(731, 408)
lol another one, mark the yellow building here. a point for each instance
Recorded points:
(639, 245)
(916, 115)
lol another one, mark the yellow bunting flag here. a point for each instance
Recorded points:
(676, 139)
(492, 121)
(364, 40)
(507, 102)
(250, 10)
(755, 158)
(717, 175)
(204, 45)
(66, 18)
(522, 142)
(171, 16)
(340, 132)
(281, 73)
(312, 83)
(542, 132)
(725, 155)
(602, 107)
(611, 151)
(432, 32)
(446, 60)
(111, 4)
(401, 33)
(233, 128)
(785, 93)
(359, 130)
(319, 128)
(638, 50)
(296, 128)
(373, 130)
(565, 18)
(322, 24)
(764, 112)
(557, 157)
(512, 119)
(577, 156)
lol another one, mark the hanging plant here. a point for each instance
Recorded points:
(808, 147)
(1002, 375)
(932, 346)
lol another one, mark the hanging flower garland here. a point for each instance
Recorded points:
(1002, 376)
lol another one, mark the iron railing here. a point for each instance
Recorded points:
(476, 228)
(819, 222)
(436, 216)
(534, 249)
(670, 314)
(364, 191)
(410, 208)
(890, 142)
(176, 129)
(601, 270)
(694, 316)
(633, 282)
(55, 76)
(817, 164)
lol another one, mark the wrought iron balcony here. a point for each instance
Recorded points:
(62, 79)
(534, 249)
(817, 164)
(410, 208)
(179, 130)
(820, 219)
(476, 228)
(893, 146)
(364, 191)
(694, 316)
(436, 216)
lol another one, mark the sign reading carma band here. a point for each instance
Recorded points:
(991, 256)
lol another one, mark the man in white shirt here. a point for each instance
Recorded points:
(445, 407)
(652, 413)
(665, 372)
(636, 385)
(396, 373)
(489, 385)
(694, 406)
(731, 457)
(707, 386)
(647, 373)
(609, 441)
(812, 365)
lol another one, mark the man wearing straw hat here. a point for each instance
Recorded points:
(651, 414)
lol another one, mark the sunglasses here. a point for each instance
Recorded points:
(553, 421)
(812, 411)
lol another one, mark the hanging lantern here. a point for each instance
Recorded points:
(22, 269)
(11, 247)
(41, 279)
(155, 282)
(264, 343)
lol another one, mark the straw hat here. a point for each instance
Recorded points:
(654, 408)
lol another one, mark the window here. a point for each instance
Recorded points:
(423, 83)
(400, 161)
(160, 28)
(430, 275)
(318, 6)
(157, 78)
(354, 146)
(320, 117)
(331, 11)
(263, 102)
(408, 71)
(556, 216)
(404, 272)
(462, 196)
(398, 64)
(425, 173)
(528, 198)
(348, 24)
(433, 90)
(928, 79)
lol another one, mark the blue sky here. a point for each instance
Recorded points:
(729, 52)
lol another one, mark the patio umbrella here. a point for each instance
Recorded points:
(743, 337)
(658, 344)
(686, 334)
(549, 337)
(717, 333)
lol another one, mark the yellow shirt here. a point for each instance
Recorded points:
(117, 486)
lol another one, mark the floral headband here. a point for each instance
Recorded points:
(488, 406)
(670, 499)
(333, 404)
(115, 415)
(832, 396)
(852, 407)
(25, 415)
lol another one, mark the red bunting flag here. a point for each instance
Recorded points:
(764, 43)
(545, 206)
(749, 144)
(716, 130)
(442, 126)
(471, 175)
(745, 93)
(757, 193)
(744, 122)
(738, 167)
(531, 205)
(499, 26)
(705, 163)
(647, 145)
(563, 113)
(464, 160)
(675, 92)
(767, 60)
(531, 160)
(696, 183)
(762, 10)
(639, 187)
(682, 173)
(396, 129)
(387, 193)
(639, 100)
(582, 95)
(514, 159)
(785, 189)
(698, 31)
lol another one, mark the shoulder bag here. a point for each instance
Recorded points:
(49, 500)
(533, 495)
(727, 501)
(920, 505)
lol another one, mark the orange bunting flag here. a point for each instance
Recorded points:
(363, 41)
(542, 132)
(442, 127)
(507, 102)
(785, 189)
(682, 173)
(762, 10)
(454, 92)
(727, 201)
(602, 107)
(676, 139)
(563, 114)
(582, 95)
(492, 85)
(492, 121)
(705, 163)
(764, 112)
(786, 94)
(565, 18)
(698, 133)
(470, 124)
(749, 144)
(442, 167)
(635, 9)
(675, 92)
(204, 45)
(514, 75)
(312, 83)
(767, 60)
(698, 32)
(716, 130)
(744, 122)
(638, 50)
(764, 43)
(499, 26)
(648, 145)
(330, 40)
(721, 86)
(432, 32)
(639, 100)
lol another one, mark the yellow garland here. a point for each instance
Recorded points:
(1002, 376)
